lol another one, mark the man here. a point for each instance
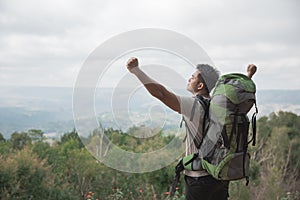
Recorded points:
(199, 184)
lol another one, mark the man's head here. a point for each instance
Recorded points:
(203, 80)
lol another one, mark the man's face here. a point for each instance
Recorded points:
(194, 83)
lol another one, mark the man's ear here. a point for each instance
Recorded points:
(200, 86)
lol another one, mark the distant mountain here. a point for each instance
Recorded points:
(46, 108)
(50, 108)
(269, 101)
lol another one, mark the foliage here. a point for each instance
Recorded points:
(32, 168)
(275, 165)
(2, 139)
(24, 176)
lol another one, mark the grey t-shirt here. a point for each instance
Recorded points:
(194, 127)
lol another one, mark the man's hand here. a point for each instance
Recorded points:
(132, 63)
(251, 70)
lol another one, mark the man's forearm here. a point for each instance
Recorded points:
(154, 88)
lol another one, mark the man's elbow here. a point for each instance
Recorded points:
(172, 103)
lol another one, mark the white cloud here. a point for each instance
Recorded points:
(46, 42)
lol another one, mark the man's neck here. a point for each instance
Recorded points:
(203, 95)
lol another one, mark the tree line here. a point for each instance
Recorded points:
(33, 168)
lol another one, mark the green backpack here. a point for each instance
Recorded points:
(223, 150)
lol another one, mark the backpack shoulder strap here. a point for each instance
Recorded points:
(205, 105)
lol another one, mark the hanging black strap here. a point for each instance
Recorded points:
(174, 185)
(253, 121)
(253, 140)
(247, 180)
(254, 125)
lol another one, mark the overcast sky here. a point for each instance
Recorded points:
(45, 43)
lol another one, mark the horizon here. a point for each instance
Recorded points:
(52, 53)
(50, 108)
(72, 87)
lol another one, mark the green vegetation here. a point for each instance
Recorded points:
(31, 168)
(275, 164)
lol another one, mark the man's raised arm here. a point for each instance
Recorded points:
(154, 88)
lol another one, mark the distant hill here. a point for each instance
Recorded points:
(50, 108)
(269, 101)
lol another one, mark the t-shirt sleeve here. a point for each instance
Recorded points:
(186, 105)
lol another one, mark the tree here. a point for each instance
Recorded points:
(36, 135)
(277, 153)
(73, 135)
(2, 139)
(20, 140)
(24, 176)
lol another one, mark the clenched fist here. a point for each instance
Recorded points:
(132, 63)
(251, 70)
